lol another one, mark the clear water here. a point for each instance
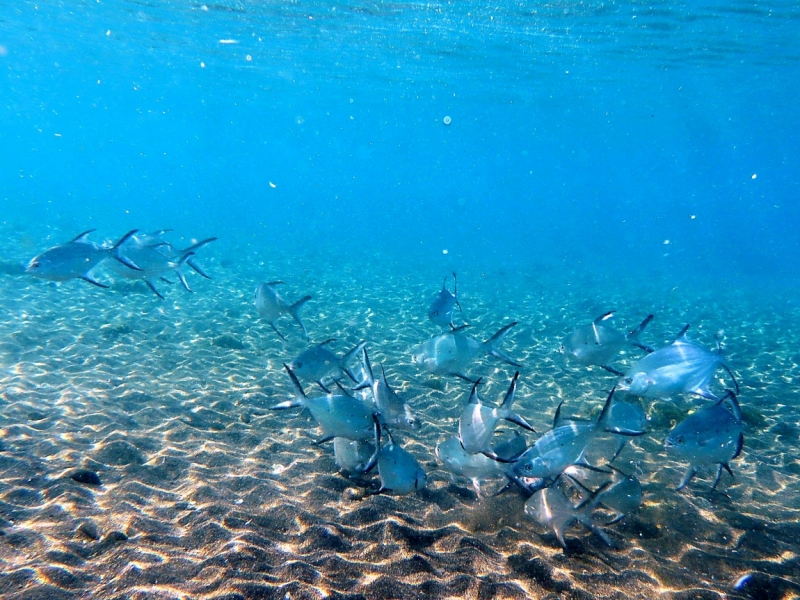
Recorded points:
(565, 158)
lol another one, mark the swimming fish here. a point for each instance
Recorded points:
(399, 471)
(562, 446)
(625, 415)
(271, 306)
(598, 344)
(156, 258)
(551, 508)
(441, 310)
(338, 415)
(478, 467)
(353, 457)
(710, 436)
(449, 353)
(317, 363)
(477, 422)
(77, 259)
(623, 496)
(393, 411)
(683, 366)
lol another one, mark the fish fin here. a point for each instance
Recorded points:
(455, 292)
(687, 477)
(287, 404)
(620, 445)
(613, 370)
(644, 347)
(706, 393)
(153, 288)
(198, 245)
(616, 519)
(682, 334)
(347, 358)
(505, 411)
(739, 444)
(93, 281)
(181, 276)
(557, 416)
(341, 388)
(464, 377)
(349, 372)
(559, 531)
(495, 457)
(719, 475)
(79, 237)
(165, 280)
(733, 378)
(322, 440)
(598, 532)
(322, 385)
(275, 329)
(624, 431)
(634, 333)
(593, 497)
(300, 394)
(583, 463)
(492, 342)
(604, 317)
(444, 284)
(294, 310)
(606, 412)
(459, 328)
(115, 250)
(517, 420)
(473, 395)
(197, 268)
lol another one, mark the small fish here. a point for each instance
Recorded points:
(551, 508)
(338, 415)
(563, 446)
(477, 422)
(353, 457)
(682, 367)
(271, 306)
(156, 258)
(399, 471)
(317, 363)
(77, 259)
(441, 310)
(625, 416)
(478, 467)
(449, 353)
(623, 496)
(711, 436)
(598, 344)
(393, 411)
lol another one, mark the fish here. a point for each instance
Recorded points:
(337, 415)
(563, 446)
(477, 422)
(317, 363)
(478, 467)
(623, 496)
(710, 436)
(353, 457)
(271, 306)
(393, 411)
(551, 508)
(156, 258)
(449, 353)
(441, 310)
(77, 259)
(400, 473)
(683, 366)
(625, 415)
(598, 343)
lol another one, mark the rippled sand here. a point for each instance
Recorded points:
(205, 493)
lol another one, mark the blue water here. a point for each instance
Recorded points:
(584, 136)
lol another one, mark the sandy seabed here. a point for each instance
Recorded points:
(204, 492)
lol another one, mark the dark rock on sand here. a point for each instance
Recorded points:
(85, 476)
(229, 342)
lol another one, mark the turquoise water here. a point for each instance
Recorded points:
(565, 159)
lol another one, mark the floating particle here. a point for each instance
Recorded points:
(202, 65)
(447, 120)
(445, 251)
(754, 176)
(272, 185)
(666, 242)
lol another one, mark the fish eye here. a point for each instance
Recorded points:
(629, 380)
(528, 467)
(679, 439)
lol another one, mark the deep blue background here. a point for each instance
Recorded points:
(583, 136)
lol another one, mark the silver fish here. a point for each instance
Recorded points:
(598, 344)
(353, 457)
(399, 471)
(551, 508)
(338, 415)
(625, 416)
(563, 446)
(319, 364)
(156, 258)
(477, 422)
(711, 436)
(393, 411)
(623, 496)
(77, 259)
(271, 306)
(449, 353)
(682, 367)
(478, 467)
(441, 310)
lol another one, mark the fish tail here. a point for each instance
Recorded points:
(494, 341)
(505, 411)
(369, 377)
(633, 334)
(198, 245)
(294, 310)
(350, 356)
(115, 250)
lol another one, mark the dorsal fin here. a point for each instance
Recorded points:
(79, 238)
(473, 395)
(604, 316)
(557, 416)
(328, 341)
(682, 333)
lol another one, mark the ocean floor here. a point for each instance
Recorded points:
(139, 457)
